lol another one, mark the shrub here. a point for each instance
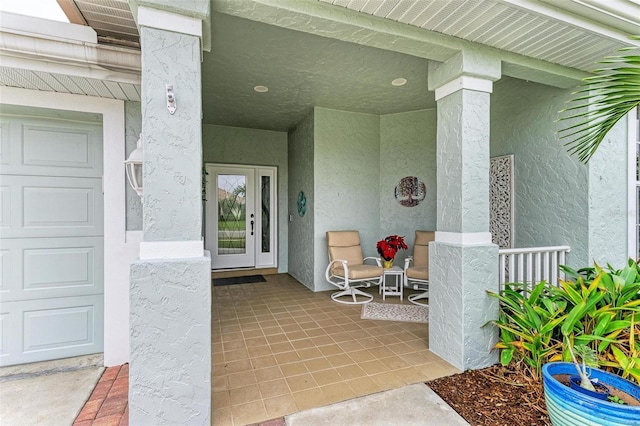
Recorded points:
(594, 307)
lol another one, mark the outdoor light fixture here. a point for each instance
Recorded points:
(133, 166)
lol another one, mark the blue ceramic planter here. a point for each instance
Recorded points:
(569, 407)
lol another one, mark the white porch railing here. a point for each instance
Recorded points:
(532, 265)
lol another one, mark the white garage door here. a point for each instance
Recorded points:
(51, 238)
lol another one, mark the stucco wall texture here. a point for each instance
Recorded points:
(170, 375)
(608, 199)
(457, 312)
(172, 143)
(170, 298)
(407, 148)
(301, 169)
(559, 200)
(347, 175)
(554, 202)
(253, 147)
(461, 274)
(334, 152)
(463, 147)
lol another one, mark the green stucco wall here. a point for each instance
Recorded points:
(407, 148)
(347, 176)
(170, 297)
(608, 204)
(558, 200)
(234, 145)
(348, 165)
(172, 142)
(551, 205)
(301, 178)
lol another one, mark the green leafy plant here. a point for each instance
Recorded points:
(595, 308)
(615, 399)
(601, 101)
(527, 325)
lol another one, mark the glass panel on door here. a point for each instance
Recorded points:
(232, 214)
(266, 213)
(230, 225)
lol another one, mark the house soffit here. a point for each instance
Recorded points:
(39, 54)
(571, 33)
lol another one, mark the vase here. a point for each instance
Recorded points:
(387, 264)
(568, 407)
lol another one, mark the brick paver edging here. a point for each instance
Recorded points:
(108, 403)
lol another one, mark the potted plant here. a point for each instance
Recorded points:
(590, 319)
(568, 406)
(582, 382)
(594, 396)
(388, 247)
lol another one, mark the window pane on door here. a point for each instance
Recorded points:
(232, 231)
(266, 213)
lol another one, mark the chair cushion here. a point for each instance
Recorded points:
(421, 248)
(345, 245)
(352, 254)
(343, 238)
(417, 272)
(358, 272)
(421, 256)
(424, 237)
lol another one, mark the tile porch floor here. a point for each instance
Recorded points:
(278, 348)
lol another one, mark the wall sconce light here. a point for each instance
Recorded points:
(133, 166)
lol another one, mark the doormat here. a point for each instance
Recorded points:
(394, 312)
(238, 280)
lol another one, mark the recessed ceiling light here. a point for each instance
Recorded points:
(261, 89)
(399, 82)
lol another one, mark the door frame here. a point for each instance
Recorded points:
(261, 260)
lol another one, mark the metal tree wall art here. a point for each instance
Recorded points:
(410, 191)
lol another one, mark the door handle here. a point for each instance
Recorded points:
(252, 227)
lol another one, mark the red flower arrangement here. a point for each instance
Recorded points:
(390, 246)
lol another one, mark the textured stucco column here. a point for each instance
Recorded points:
(608, 232)
(463, 261)
(170, 294)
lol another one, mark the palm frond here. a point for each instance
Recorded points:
(601, 101)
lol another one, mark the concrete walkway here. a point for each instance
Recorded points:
(55, 393)
(411, 405)
(51, 393)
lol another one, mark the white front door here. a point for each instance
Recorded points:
(51, 235)
(240, 216)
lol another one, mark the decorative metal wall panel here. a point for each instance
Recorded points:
(501, 214)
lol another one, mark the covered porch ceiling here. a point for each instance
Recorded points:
(344, 54)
